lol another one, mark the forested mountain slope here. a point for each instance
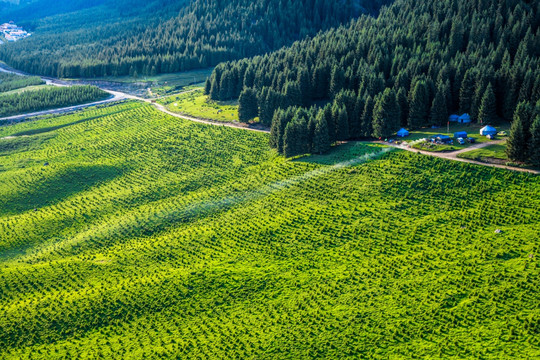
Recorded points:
(202, 34)
(412, 66)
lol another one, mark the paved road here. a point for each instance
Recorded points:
(454, 155)
(114, 96)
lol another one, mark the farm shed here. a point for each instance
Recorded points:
(442, 138)
(453, 118)
(460, 134)
(464, 119)
(402, 133)
(488, 130)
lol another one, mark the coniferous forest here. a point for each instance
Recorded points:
(48, 98)
(412, 66)
(193, 35)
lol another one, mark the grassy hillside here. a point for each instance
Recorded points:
(147, 237)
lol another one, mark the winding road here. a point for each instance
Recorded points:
(118, 96)
(453, 155)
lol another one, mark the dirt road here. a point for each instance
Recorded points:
(454, 155)
(116, 96)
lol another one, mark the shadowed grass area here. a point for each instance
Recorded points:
(53, 188)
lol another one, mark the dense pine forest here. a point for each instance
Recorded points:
(202, 34)
(10, 82)
(415, 64)
(48, 98)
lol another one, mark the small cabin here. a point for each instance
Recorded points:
(464, 119)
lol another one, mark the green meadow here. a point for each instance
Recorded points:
(128, 233)
(195, 103)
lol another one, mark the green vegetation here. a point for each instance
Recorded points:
(48, 98)
(196, 104)
(497, 151)
(147, 236)
(9, 82)
(136, 37)
(415, 64)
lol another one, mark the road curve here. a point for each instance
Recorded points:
(117, 96)
(454, 155)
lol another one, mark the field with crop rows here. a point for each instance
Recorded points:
(128, 233)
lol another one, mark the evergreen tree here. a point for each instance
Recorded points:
(290, 140)
(534, 144)
(439, 109)
(321, 140)
(516, 145)
(247, 105)
(207, 86)
(403, 106)
(367, 118)
(386, 115)
(342, 124)
(418, 112)
(466, 93)
(488, 107)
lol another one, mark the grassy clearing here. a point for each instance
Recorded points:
(28, 88)
(163, 84)
(148, 236)
(497, 151)
(473, 130)
(196, 104)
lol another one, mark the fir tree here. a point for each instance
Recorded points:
(418, 112)
(386, 115)
(488, 108)
(342, 124)
(516, 145)
(247, 105)
(439, 109)
(321, 140)
(534, 144)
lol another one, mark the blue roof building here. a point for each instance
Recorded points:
(488, 130)
(402, 133)
(464, 119)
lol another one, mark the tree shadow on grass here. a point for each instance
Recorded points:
(56, 188)
(343, 152)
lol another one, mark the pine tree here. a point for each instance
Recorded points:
(290, 140)
(418, 112)
(292, 93)
(337, 81)
(466, 93)
(439, 109)
(386, 115)
(247, 105)
(488, 108)
(355, 124)
(207, 86)
(367, 118)
(516, 145)
(534, 144)
(321, 140)
(403, 106)
(342, 124)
